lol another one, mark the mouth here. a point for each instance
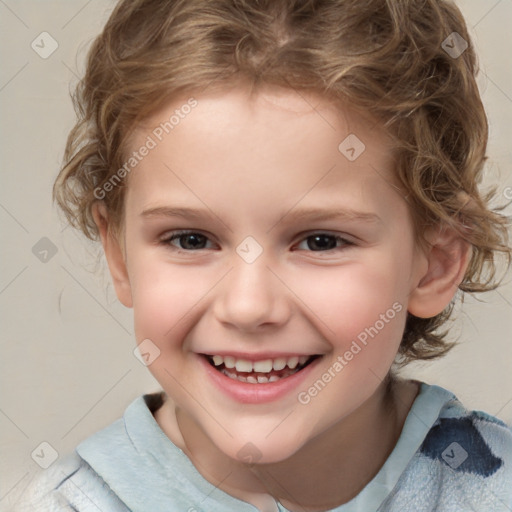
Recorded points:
(263, 371)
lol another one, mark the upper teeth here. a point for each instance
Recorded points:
(263, 366)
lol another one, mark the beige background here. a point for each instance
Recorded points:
(67, 366)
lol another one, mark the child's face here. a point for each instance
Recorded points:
(250, 170)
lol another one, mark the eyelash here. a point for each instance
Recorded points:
(176, 235)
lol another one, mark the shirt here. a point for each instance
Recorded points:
(446, 459)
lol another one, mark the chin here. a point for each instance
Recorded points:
(261, 450)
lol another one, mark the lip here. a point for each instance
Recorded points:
(247, 393)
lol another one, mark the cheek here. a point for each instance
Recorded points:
(351, 299)
(165, 300)
(163, 297)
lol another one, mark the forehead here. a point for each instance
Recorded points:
(241, 111)
(266, 149)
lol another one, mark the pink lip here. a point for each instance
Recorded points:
(247, 393)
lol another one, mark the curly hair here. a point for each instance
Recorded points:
(388, 59)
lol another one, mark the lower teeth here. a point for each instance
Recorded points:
(257, 379)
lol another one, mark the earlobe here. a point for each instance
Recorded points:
(448, 257)
(114, 255)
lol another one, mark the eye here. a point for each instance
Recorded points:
(190, 241)
(185, 240)
(322, 242)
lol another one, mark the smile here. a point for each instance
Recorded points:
(259, 372)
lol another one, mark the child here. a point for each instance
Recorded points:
(286, 194)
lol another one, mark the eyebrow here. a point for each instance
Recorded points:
(168, 211)
(311, 214)
(317, 214)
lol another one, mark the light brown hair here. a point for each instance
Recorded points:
(385, 58)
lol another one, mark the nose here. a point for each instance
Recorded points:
(252, 298)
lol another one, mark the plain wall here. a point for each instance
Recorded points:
(67, 366)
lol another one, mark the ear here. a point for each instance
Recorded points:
(114, 255)
(447, 258)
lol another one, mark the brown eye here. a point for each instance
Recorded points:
(321, 242)
(186, 240)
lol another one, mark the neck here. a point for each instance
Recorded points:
(329, 470)
(334, 467)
